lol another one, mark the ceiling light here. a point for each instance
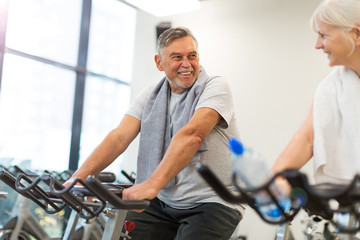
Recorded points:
(162, 8)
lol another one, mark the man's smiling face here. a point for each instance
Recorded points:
(180, 62)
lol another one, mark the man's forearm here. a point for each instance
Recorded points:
(181, 151)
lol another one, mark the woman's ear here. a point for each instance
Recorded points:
(158, 63)
(357, 32)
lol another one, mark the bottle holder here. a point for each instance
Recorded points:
(282, 215)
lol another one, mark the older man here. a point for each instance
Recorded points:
(184, 119)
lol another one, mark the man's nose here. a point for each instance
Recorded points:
(185, 62)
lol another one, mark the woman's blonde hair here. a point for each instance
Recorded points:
(344, 14)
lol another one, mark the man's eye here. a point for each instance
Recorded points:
(177, 57)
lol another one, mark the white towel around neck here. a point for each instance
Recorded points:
(337, 127)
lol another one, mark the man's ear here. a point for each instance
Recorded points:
(158, 63)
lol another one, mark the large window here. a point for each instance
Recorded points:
(111, 54)
(35, 107)
(50, 48)
(48, 29)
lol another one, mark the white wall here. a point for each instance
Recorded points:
(265, 48)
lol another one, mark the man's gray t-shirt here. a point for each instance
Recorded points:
(190, 189)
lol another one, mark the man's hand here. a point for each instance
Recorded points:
(68, 182)
(142, 191)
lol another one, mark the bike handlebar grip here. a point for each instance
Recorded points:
(103, 192)
(218, 186)
(317, 202)
(106, 176)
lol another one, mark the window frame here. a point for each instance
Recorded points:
(80, 70)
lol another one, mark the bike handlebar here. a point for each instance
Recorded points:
(46, 191)
(219, 187)
(112, 198)
(36, 195)
(246, 197)
(316, 198)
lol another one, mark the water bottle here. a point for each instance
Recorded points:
(250, 168)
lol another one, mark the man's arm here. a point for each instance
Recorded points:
(114, 144)
(300, 148)
(180, 152)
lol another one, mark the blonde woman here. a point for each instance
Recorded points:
(331, 132)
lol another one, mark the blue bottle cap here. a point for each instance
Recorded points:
(236, 146)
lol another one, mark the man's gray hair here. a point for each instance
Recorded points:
(171, 34)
